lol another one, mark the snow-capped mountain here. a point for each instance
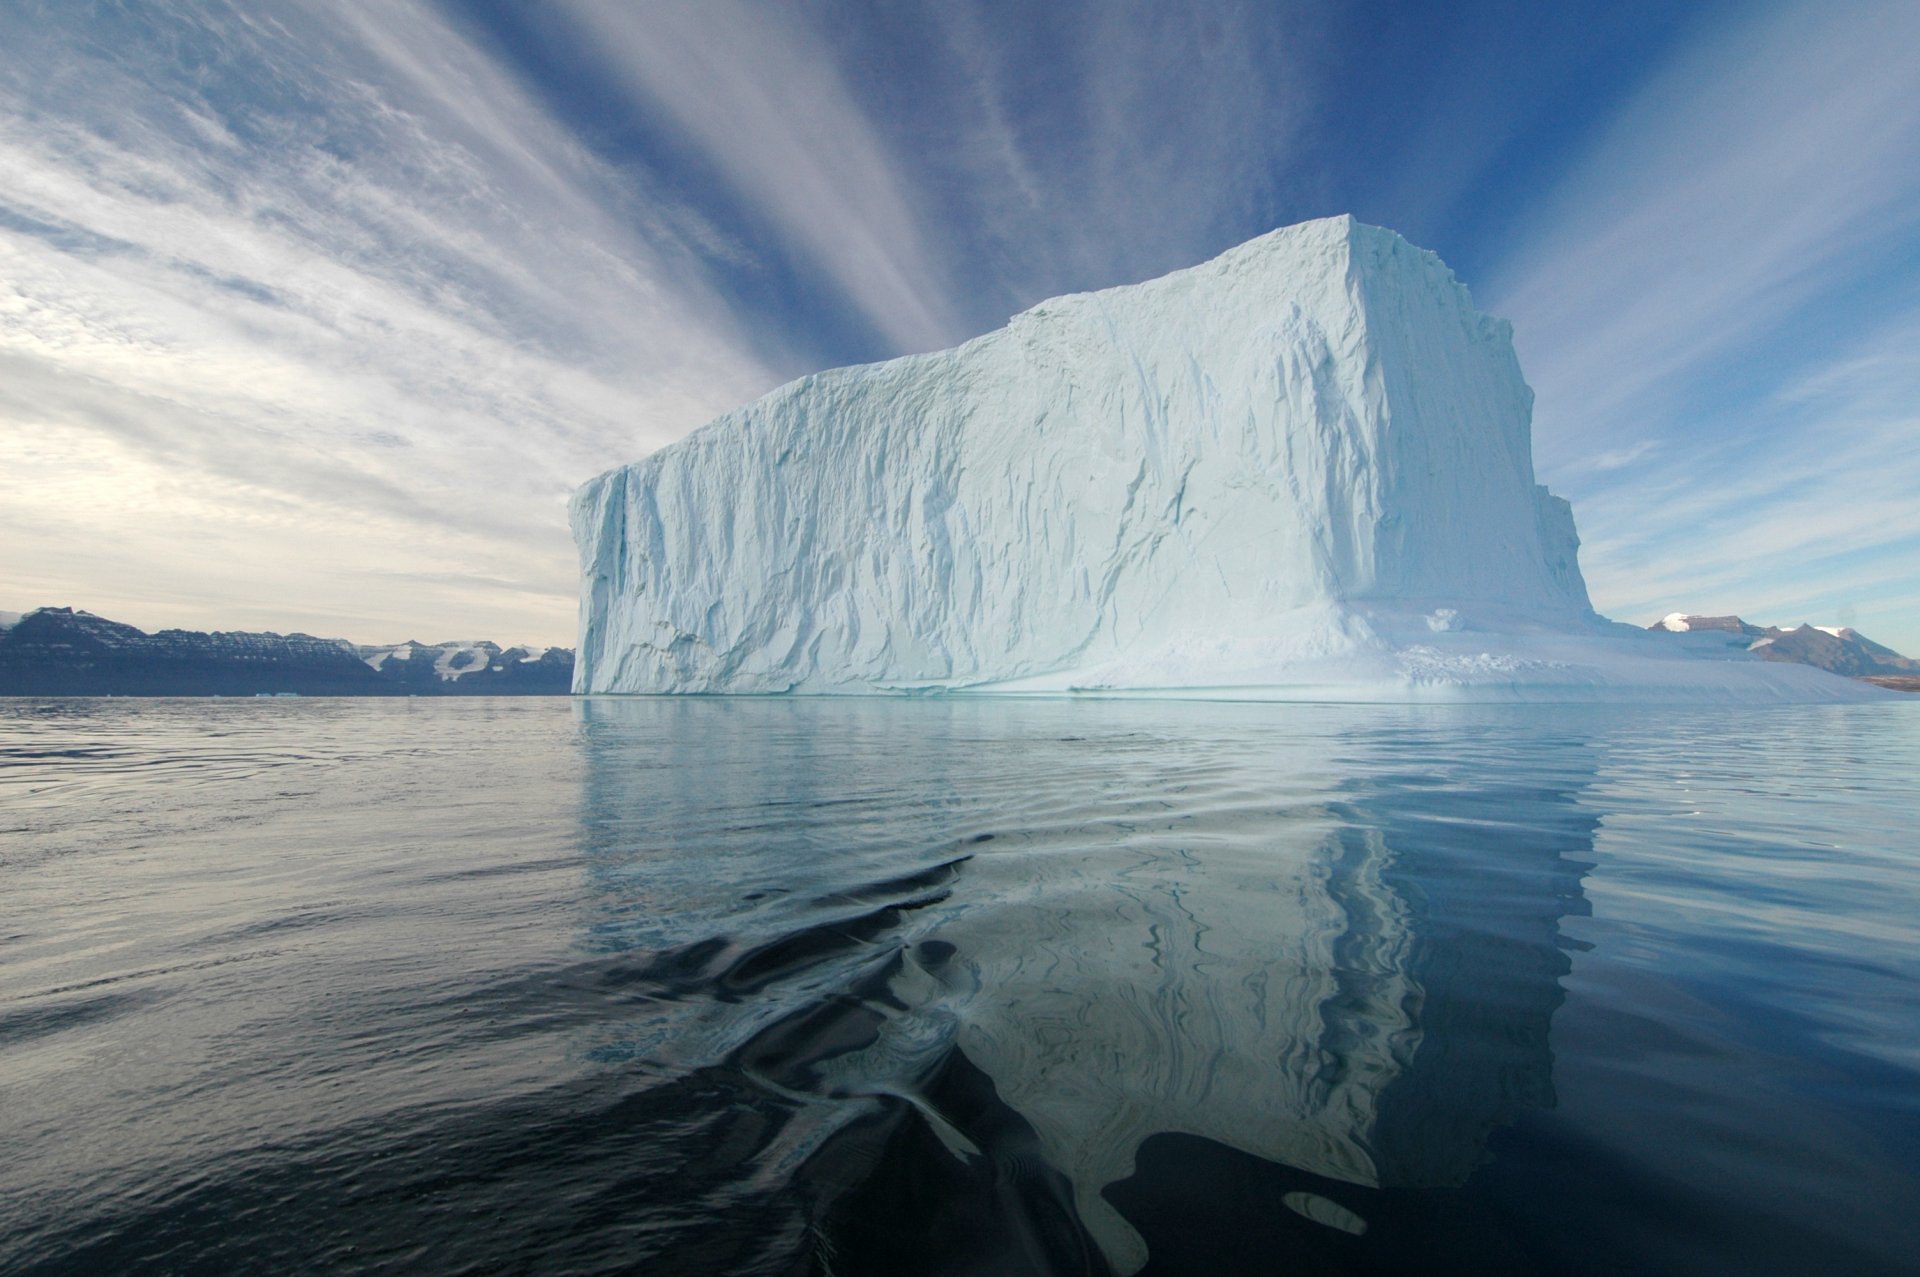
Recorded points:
(1840, 650)
(59, 651)
(414, 662)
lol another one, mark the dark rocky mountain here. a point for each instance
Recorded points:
(57, 651)
(1840, 651)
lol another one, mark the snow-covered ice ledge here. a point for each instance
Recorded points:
(1302, 470)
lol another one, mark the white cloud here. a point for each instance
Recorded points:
(350, 306)
(1060, 147)
(1616, 459)
(321, 309)
(1749, 193)
(1145, 139)
(761, 94)
(1755, 174)
(1822, 524)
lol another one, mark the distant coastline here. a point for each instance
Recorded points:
(58, 651)
(66, 652)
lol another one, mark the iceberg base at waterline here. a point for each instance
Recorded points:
(1355, 656)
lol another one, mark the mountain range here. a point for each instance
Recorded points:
(58, 651)
(1840, 650)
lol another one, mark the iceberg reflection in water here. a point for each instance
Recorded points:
(1129, 933)
(956, 985)
(1330, 990)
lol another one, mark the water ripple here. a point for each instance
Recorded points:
(945, 985)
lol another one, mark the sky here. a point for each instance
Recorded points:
(312, 315)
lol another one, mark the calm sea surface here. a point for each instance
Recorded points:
(957, 986)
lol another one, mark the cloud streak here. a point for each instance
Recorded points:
(1722, 237)
(761, 95)
(338, 286)
(1820, 527)
(323, 308)
(1761, 172)
(300, 299)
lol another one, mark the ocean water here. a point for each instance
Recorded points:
(957, 986)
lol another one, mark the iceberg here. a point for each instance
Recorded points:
(1300, 470)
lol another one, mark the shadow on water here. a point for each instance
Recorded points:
(971, 988)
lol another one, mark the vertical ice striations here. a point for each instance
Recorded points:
(1221, 476)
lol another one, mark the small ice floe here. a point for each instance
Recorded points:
(1442, 620)
(1322, 1210)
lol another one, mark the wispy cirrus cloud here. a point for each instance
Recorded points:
(1699, 306)
(1763, 171)
(761, 94)
(1142, 138)
(941, 165)
(320, 309)
(1816, 522)
(316, 293)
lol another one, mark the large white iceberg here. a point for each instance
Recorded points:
(1303, 468)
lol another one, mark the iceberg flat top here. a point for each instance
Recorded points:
(1301, 468)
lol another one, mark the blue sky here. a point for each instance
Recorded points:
(312, 315)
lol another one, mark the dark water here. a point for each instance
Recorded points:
(946, 986)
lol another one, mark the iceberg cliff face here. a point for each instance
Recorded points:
(1264, 470)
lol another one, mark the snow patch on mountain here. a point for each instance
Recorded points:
(459, 658)
(64, 651)
(1837, 649)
